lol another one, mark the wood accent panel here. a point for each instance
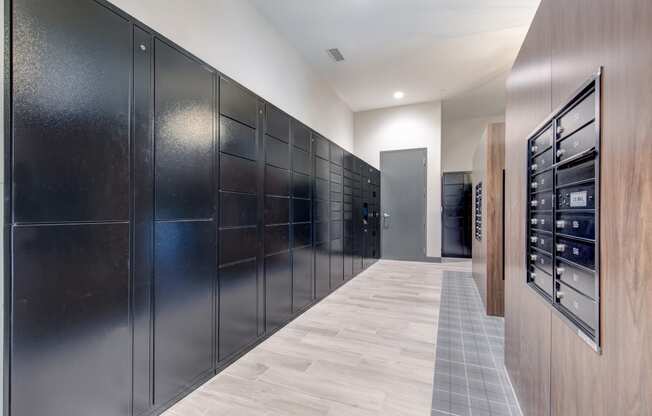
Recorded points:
(488, 164)
(586, 35)
(583, 35)
(527, 317)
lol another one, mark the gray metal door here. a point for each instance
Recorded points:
(403, 204)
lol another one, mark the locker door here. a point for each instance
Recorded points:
(185, 227)
(302, 252)
(240, 234)
(278, 207)
(143, 148)
(321, 215)
(70, 227)
(336, 229)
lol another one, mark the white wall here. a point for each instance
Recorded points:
(459, 139)
(407, 127)
(233, 37)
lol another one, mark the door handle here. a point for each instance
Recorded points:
(386, 217)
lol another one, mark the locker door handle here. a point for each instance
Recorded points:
(386, 218)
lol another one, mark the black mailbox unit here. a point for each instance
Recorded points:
(478, 211)
(563, 211)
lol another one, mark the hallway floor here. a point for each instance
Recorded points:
(367, 349)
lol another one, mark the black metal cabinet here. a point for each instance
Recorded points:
(71, 157)
(70, 211)
(302, 251)
(347, 214)
(563, 211)
(240, 219)
(278, 272)
(164, 219)
(321, 214)
(336, 235)
(186, 221)
(143, 239)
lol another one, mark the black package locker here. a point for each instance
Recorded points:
(302, 251)
(369, 210)
(347, 214)
(375, 198)
(321, 215)
(71, 212)
(185, 227)
(240, 280)
(163, 218)
(358, 225)
(143, 235)
(336, 237)
(278, 273)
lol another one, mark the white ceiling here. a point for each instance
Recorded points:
(430, 49)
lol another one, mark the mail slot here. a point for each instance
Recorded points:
(542, 161)
(576, 251)
(542, 241)
(581, 280)
(541, 201)
(577, 116)
(577, 143)
(576, 173)
(579, 305)
(577, 197)
(541, 182)
(542, 280)
(541, 142)
(577, 225)
(541, 222)
(542, 261)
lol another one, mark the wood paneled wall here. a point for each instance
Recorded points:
(553, 370)
(488, 165)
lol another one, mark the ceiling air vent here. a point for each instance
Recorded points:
(336, 54)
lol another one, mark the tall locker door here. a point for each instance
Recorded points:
(70, 351)
(302, 252)
(321, 215)
(337, 240)
(375, 197)
(240, 231)
(185, 227)
(368, 213)
(347, 213)
(357, 218)
(278, 274)
(142, 251)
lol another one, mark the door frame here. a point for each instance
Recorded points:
(441, 212)
(424, 245)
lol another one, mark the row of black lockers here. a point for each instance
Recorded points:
(163, 218)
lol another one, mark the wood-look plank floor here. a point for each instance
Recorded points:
(367, 349)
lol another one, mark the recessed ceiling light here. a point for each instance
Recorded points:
(399, 94)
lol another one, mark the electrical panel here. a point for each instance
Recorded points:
(563, 211)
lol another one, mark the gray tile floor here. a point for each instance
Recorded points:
(470, 377)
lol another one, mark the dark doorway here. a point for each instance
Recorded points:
(456, 214)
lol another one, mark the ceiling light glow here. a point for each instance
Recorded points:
(398, 95)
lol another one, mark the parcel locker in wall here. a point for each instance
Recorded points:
(185, 210)
(336, 233)
(240, 151)
(321, 214)
(278, 273)
(302, 251)
(70, 241)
